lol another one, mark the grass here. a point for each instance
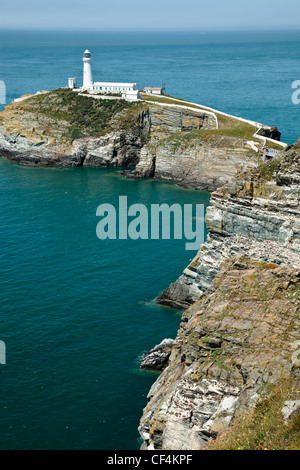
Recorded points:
(80, 116)
(268, 169)
(263, 427)
(169, 100)
(188, 138)
(228, 126)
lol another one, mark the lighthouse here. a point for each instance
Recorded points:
(87, 70)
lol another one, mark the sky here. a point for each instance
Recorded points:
(196, 15)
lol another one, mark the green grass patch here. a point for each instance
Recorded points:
(80, 116)
(228, 126)
(263, 427)
(268, 169)
(186, 139)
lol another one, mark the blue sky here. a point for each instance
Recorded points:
(150, 15)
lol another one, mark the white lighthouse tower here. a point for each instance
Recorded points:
(87, 70)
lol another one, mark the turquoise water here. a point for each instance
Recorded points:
(77, 313)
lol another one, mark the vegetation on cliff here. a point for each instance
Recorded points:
(268, 180)
(235, 346)
(183, 142)
(54, 119)
(228, 126)
(263, 427)
(287, 161)
(83, 116)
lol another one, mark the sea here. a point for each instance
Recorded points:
(77, 313)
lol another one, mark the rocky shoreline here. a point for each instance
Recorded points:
(240, 294)
(191, 146)
(240, 333)
(258, 215)
(234, 342)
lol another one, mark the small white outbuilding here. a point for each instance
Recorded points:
(72, 82)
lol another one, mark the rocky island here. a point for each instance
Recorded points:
(237, 351)
(161, 137)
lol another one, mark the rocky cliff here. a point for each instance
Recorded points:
(195, 163)
(240, 337)
(256, 214)
(61, 127)
(240, 332)
(168, 141)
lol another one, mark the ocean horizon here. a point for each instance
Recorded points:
(244, 73)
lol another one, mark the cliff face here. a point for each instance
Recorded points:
(61, 128)
(194, 148)
(239, 337)
(195, 163)
(240, 331)
(256, 214)
(189, 145)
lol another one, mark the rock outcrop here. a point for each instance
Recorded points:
(43, 130)
(240, 331)
(195, 163)
(189, 145)
(272, 133)
(234, 341)
(116, 149)
(256, 214)
(158, 357)
(290, 408)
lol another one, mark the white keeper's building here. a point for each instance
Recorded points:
(128, 91)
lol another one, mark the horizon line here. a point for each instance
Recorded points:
(158, 30)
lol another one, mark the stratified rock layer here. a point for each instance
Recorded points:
(158, 357)
(61, 128)
(256, 214)
(241, 335)
(195, 164)
(185, 144)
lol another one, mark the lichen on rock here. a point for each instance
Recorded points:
(185, 144)
(256, 214)
(232, 342)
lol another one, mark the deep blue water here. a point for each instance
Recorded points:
(77, 312)
(248, 74)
